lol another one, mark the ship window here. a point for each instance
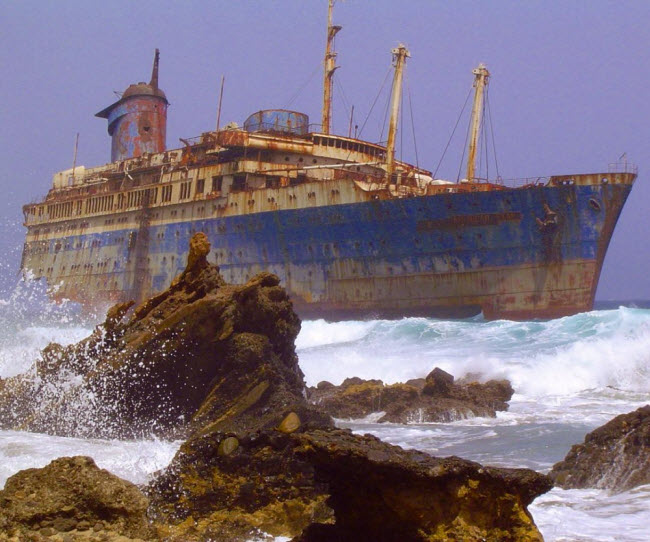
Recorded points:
(200, 186)
(216, 183)
(167, 193)
(186, 188)
(239, 182)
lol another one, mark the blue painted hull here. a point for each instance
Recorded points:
(452, 254)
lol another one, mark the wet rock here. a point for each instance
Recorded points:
(438, 382)
(68, 492)
(201, 353)
(438, 398)
(381, 492)
(615, 456)
(262, 485)
(290, 424)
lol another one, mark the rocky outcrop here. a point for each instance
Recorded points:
(437, 398)
(73, 497)
(381, 492)
(239, 483)
(216, 363)
(615, 456)
(201, 353)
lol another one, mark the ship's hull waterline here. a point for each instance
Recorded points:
(520, 253)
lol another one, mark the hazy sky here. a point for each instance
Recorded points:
(568, 93)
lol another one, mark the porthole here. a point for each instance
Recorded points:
(594, 204)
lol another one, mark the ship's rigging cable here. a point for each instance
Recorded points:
(415, 143)
(301, 88)
(462, 158)
(494, 146)
(339, 87)
(383, 124)
(452, 133)
(375, 102)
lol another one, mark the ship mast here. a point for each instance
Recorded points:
(481, 76)
(399, 60)
(330, 67)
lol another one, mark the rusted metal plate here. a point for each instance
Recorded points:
(532, 252)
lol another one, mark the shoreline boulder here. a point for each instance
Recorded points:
(616, 456)
(72, 496)
(381, 492)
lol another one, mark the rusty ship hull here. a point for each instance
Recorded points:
(346, 253)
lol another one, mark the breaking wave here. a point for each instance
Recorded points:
(564, 356)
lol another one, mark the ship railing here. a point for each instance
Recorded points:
(191, 140)
(273, 128)
(622, 167)
(523, 181)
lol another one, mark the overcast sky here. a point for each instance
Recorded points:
(568, 93)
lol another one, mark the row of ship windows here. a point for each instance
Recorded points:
(148, 196)
(326, 249)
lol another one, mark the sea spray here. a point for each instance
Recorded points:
(29, 321)
(135, 461)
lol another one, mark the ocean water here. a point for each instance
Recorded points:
(570, 375)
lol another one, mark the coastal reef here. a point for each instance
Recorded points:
(616, 456)
(436, 398)
(215, 365)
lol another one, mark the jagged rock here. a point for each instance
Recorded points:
(615, 456)
(381, 492)
(204, 350)
(261, 484)
(435, 399)
(438, 382)
(71, 494)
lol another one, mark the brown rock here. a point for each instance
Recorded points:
(436, 399)
(290, 424)
(438, 382)
(213, 354)
(262, 484)
(615, 456)
(71, 490)
(381, 492)
(64, 524)
(228, 446)
(221, 359)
